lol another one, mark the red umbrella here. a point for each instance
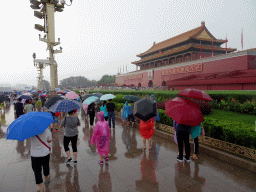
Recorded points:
(59, 92)
(195, 94)
(184, 111)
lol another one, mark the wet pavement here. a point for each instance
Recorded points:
(130, 168)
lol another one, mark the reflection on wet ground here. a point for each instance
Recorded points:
(130, 168)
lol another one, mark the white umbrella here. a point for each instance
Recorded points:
(107, 97)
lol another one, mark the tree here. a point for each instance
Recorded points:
(107, 79)
(74, 82)
(44, 84)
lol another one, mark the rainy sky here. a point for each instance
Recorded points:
(98, 36)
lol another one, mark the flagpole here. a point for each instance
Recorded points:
(226, 44)
(242, 40)
(212, 47)
(200, 50)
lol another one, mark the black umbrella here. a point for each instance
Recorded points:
(131, 98)
(83, 97)
(2, 98)
(26, 97)
(52, 101)
(145, 109)
(97, 94)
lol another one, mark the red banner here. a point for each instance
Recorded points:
(183, 69)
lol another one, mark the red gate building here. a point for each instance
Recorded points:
(194, 59)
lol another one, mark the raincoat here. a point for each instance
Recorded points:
(126, 111)
(147, 128)
(101, 135)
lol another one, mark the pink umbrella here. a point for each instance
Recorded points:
(71, 95)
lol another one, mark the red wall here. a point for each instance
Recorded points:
(219, 66)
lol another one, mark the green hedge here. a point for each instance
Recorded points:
(232, 132)
(240, 96)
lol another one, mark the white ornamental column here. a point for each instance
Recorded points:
(51, 40)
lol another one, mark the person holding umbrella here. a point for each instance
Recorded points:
(104, 109)
(19, 108)
(145, 110)
(185, 114)
(34, 125)
(111, 113)
(91, 112)
(70, 134)
(147, 131)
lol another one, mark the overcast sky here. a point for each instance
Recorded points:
(98, 36)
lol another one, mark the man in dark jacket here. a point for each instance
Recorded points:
(111, 113)
(91, 112)
(182, 132)
(19, 108)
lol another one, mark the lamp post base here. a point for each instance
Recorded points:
(52, 94)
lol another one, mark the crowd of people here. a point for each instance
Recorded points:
(105, 113)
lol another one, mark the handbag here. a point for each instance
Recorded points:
(43, 143)
(202, 131)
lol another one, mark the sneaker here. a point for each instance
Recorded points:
(180, 160)
(69, 161)
(106, 158)
(100, 162)
(75, 162)
(187, 160)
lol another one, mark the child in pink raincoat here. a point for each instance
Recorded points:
(101, 135)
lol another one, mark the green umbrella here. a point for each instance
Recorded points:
(131, 98)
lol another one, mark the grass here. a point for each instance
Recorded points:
(232, 116)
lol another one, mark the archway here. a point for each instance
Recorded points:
(164, 83)
(139, 85)
(150, 83)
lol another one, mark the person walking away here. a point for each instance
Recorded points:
(157, 118)
(91, 112)
(182, 133)
(104, 109)
(130, 115)
(125, 113)
(38, 105)
(34, 104)
(111, 113)
(97, 108)
(55, 117)
(40, 157)
(101, 135)
(195, 132)
(43, 102)
(70, 124)
(147, 131)
(19, 108)
(28, 107)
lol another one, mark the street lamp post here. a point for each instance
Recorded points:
(47, 9)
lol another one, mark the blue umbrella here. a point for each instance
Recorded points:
(29, 125)
(65, 105)
(19, 92)
(89, 100)
(25, 97)
(107, 97)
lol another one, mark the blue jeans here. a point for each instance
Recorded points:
(111, 115)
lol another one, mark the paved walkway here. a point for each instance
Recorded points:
(129, 168)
